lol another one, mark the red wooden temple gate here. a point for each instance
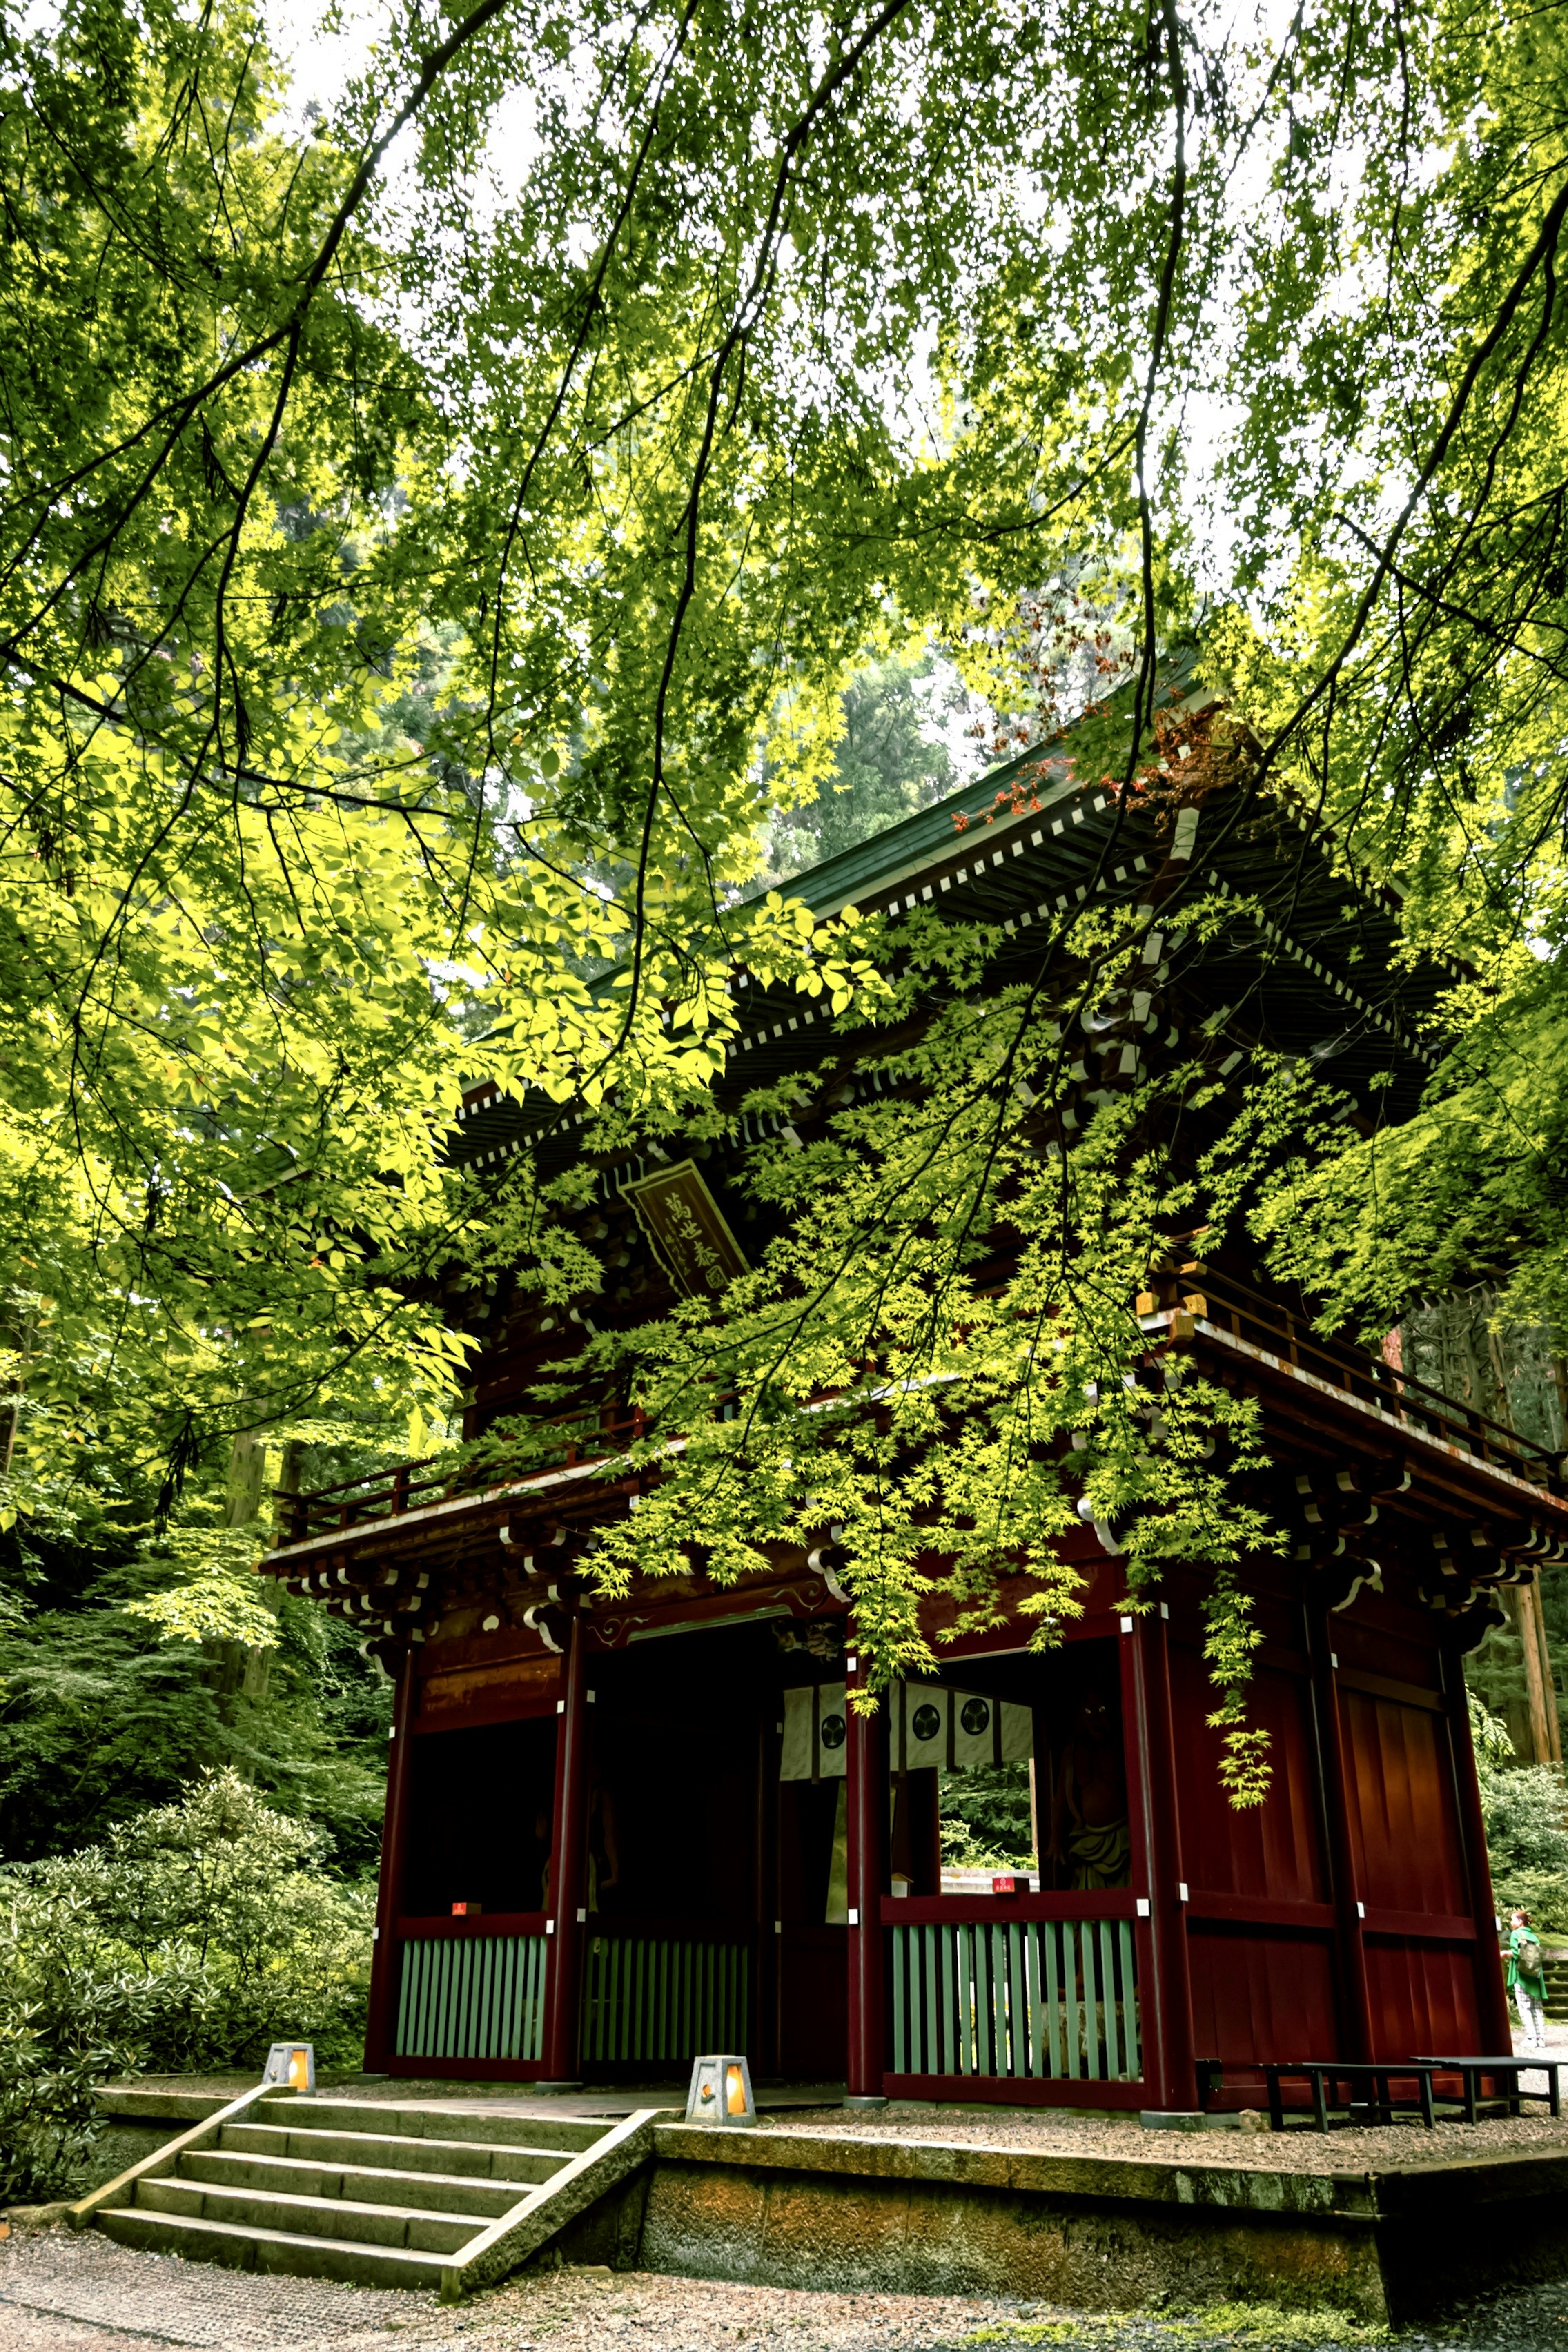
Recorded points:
(644, 1867)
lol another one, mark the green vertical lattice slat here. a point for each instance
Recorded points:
(411, 2037)
(436, 2040)
(1134, 2026)
(413, 1999)
(1112, 2032)
(1072, 2005)
(1000, 2003)
(653, 1976)
(451, 2035)
(480, 1957)
(633, 2037)
(951, 2057)
(404, 1979)
(1017, 2005)
(901, 2029)
(419, 1999)
(488, 1959)
(511, 2019)
(614, 1988)
(435, 1977)
(979, 1974)
(648, 1997)
(931, 2050)
(637, 2032)
(483, 2011)
(1054, 1996)
(1033, 1936)
(463, 2018)
(1093, 2004)
(462, 1973)
(430, 2001)
(642, 1963)
(659, 2000)
(671, 2025)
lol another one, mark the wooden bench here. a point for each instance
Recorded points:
(1347, 2092)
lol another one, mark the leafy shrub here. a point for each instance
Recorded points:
(196, 1935)
(985, 1819)
(1525, 1808)
(49, 2125)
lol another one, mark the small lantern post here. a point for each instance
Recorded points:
(721, 2093)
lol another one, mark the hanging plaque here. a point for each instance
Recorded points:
(687, 1227)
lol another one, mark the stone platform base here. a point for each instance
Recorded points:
(918, 2217)
(1097, 2231)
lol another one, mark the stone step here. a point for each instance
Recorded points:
(383, 2120)
(370, 2184)
(271, 2250)
(480, 2159)
(272, 2212)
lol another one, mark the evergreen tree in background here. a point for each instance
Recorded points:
(886, 766)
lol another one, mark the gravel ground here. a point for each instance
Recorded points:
(62, 2292)
(1255, 2146)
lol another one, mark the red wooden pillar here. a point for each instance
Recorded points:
(1355, 1990)
(1170, 2071)
(568, 1848)
(1491, 1994)
(385, 1955)
(763, 2035)
(866, 1814)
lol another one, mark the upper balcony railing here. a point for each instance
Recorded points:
(387, 1493)
(579, 1439)
(1270, 1325)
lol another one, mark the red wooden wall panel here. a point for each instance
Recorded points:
(1274, 1850)
(1258, 1994)
(1424, 1999)
(1405, 1830)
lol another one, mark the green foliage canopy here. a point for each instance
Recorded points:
(428, 552)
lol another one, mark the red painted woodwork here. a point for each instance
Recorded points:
(1272, 1850)
(866, 1792)
(385, 1961)
(1425, 1998)
(445, 1929)
(1405, 1830)
(1492, 1995)
(998, 1910)
(564, 1977)
(1168, 2069)
(1262, 1993)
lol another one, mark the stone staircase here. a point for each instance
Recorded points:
(361, 2190)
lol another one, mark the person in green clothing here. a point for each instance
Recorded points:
(1527, 1979)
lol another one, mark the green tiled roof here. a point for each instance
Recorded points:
(915, 840)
